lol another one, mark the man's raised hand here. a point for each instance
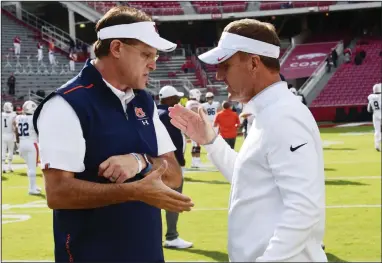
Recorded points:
(194, 125)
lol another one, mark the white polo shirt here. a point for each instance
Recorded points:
(61, 139)
(277, 200)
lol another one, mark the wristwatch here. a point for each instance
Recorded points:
(149, 165)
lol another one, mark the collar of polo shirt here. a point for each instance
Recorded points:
(230, 43)
(145, 32)
(125, 97)
(266, 97)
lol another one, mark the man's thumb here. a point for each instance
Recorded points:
(161, 169)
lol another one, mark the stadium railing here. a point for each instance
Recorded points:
(47, 30)
(184, 83)
(34, 97)
(201, 50)
(311, 82)
(200, 73)
(286, 54)
(271, 5)
(217, 89)
(179, 52)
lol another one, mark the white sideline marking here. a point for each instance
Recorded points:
(221, 208)
(372, 177)
(354, 124)
(350, 162)
(326, 178)
(353, 177)
(328, 207)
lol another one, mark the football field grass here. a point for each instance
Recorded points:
(353, 199)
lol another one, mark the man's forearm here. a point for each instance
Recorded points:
(222, 156)
(72, 193)
(172, 177)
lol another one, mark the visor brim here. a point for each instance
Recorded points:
(216, 55)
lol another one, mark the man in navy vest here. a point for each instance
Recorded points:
(107, 174)
(169, 96)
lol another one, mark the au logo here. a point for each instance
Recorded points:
(139, 112)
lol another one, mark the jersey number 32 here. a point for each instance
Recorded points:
(23, 129)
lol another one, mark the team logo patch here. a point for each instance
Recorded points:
(139, 112)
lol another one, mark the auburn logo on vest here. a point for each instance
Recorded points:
(139, 112)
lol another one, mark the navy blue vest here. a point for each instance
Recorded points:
(127, 232)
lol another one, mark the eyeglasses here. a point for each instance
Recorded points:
(146, 55)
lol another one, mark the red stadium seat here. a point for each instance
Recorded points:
(215, 7)
(351, 84)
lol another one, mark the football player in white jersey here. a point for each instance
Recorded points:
(28, 143)
(211, 107)
(193, 104)
(8, 117)
(375, 107)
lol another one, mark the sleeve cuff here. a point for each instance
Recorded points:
(217, 145)
(61, 160)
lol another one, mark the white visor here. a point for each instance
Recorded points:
(230, 43)
(142, 31)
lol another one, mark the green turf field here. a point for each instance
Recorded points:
(353, 194)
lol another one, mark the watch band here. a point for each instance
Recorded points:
(136, 156)
(149, 166)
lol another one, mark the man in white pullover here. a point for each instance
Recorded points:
(277, 201)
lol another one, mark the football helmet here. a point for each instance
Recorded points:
(195, 94)
(209, 95)
(8, 107)
(29, 107)
(377, 88)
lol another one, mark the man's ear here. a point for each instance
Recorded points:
(115, 48)
(255, 63)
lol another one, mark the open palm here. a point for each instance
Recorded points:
(194, 125)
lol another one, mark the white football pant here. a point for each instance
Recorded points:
(29, 152)
(17, 48)
(39, 55)
(52, 59)
(377, 131)
(71, 65)
(7, 145)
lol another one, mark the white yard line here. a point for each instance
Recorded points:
(366, 177)
(200, 209)
(350, 162)
(352, 177)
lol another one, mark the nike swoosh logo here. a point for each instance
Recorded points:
(292, 149)
(220, 59)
